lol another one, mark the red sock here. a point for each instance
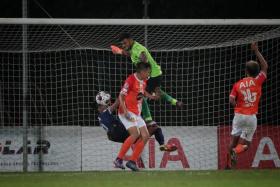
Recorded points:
(139, 146)
(240, 148)
(125, 146)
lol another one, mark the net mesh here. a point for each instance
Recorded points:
(100, 37)
(68, 64)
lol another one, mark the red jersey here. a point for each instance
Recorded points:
(133, 89)
(247, 92)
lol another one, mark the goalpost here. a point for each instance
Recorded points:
(69, 61)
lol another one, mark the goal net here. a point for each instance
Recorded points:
(69, 61)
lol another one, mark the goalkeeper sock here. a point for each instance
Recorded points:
(125, 146)
(159, 136)
(168, 98)
(139, 146)
(240, 148)
(146, 111)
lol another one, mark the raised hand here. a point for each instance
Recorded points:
(254, 46)
(116, 50)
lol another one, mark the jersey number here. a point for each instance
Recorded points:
(249, 97)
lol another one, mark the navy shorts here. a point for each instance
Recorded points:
(118, 134)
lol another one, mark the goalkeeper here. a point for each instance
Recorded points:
(138, 53)
(115, 129)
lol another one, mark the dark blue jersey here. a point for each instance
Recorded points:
(108, 121)
(113, 126)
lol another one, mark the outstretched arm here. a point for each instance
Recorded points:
(147, 94)
(115, 105)
(125, 53)
(232, 101)
(232, 96)
(261, 59)
(119, 51)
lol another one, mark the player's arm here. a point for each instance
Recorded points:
(115, 105)
(122, 103)
(143, 57)
(125, 53)
(232, 96)
(119, 51)
(150, 96)
(232, 101)
(123, 93)
(125, 111)
(260, 57)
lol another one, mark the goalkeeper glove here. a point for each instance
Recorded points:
(116, 50)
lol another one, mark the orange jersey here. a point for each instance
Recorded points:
(133, 89)
(247, 93)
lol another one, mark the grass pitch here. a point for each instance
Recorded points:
(240, 178)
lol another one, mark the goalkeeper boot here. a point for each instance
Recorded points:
(233, 158)
(119, 163)
(168, 147)
(132, 165)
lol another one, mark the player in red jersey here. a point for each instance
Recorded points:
(131, 98)
(245, 97)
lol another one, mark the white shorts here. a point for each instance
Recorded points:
(244, 126)
(139, 122)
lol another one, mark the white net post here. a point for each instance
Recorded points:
(24, 89)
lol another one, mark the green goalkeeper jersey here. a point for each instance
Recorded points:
(135, 53)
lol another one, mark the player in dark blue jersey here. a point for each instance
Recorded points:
(116, 131)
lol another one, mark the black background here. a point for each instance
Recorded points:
(134, 8)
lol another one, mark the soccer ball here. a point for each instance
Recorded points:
(103, 98)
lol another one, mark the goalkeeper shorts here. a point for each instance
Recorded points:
(153, 83)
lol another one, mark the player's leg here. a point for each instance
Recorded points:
(248, 130)
(118, 134)
(133, 135)
(235, 135)
(155, 130)
(242, 146)
(167, 97)
(139, 145)
(247, 124)
(133, 131)
(146, 111)
(153, 86)
(231, 156)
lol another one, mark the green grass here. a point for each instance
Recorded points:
(234, 178)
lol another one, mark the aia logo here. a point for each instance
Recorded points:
(8, 148)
